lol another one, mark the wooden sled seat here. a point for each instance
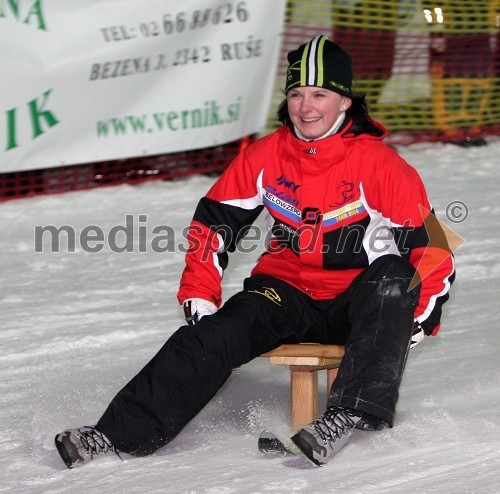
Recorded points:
(304, 361)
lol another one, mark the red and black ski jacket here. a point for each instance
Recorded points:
(334, 206)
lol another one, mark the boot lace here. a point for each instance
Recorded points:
(95, 442)
(335, 422)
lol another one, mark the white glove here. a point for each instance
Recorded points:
(196, 308)
(417, 336)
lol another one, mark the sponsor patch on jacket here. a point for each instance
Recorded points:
(340, 214)
(281, 207)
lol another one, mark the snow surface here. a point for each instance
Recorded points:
(77, 326)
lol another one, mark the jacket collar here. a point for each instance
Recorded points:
(333, 129)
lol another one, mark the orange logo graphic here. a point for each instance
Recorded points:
(442, 243)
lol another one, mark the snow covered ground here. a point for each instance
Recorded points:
(77, 326)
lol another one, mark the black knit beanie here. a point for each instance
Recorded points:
(321, 63)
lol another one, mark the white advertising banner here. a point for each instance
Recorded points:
(91, 80)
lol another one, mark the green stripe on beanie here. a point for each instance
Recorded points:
(303, 65)
(320, 60)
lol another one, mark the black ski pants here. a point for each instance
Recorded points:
(373, 319)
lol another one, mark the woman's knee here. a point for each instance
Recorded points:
(391, 266)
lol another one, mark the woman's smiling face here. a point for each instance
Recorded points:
(314, 110)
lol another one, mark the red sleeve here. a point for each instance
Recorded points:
(220, 221)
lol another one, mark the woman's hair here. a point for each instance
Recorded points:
(357, 113)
